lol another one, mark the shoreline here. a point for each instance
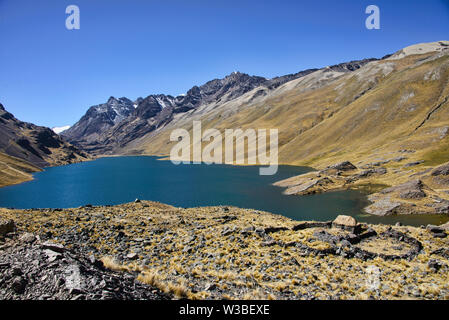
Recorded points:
(363, 189)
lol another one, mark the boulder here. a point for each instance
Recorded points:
(434, 229)
(412, 194)
(409, 190)
(412, 164)
(343, 166)
(6, 226)
(445, 226)
(442, 170)
(383, 207)
(439, 235)
(308, 187)
(132, 256)
(346, 222)
(27, 238)
(56, 247)
(442, 207)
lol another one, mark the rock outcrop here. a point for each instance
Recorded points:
(6, 226)
(442, 170)
(34, 270)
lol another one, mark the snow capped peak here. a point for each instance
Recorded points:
(58, 130)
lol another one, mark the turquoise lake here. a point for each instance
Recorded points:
(115, 180)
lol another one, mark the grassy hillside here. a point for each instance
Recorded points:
(325, 117)
(391, 113)
(14, 170)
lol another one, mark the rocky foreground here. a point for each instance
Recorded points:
(148, 250)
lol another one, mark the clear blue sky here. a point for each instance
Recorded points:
(50, 75)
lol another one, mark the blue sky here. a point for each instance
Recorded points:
(51, 75)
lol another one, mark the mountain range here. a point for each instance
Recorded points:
(387, 117)
(108, 128)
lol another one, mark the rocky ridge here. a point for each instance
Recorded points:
(37, 145)
(100, 131)
(26, 148)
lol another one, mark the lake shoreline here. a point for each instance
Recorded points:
(246, 178)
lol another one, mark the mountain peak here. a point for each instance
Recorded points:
(421, 48)
(112, 99)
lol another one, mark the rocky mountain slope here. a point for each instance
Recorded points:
(103, 129)
(389, 118)
(25, 148)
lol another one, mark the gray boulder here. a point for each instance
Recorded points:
(343, 166)
(442, 170)
(6, 226)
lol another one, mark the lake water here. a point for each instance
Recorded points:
(109, 181)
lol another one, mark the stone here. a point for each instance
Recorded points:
(442, 170)
(227, 231)
(440, 235)
(445, 226)
(435, 265)
(210, 287)
(132, 256)
(409, 190)
(18, 285)
(308, 187)
(434, 229)
(25, 271)
(412, 194)
(412, 164)
(345, 221)
(97, 263)
(383, 207)
(56, 247)
(441, 207)
(343, 166)
(27, 238)
(6, 226)
(52, 255)
(247, 231)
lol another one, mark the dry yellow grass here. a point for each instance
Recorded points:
(14, 170)
(177, 257)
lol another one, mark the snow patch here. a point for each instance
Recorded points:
(58, 130)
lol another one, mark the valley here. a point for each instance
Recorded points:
(387, 117)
